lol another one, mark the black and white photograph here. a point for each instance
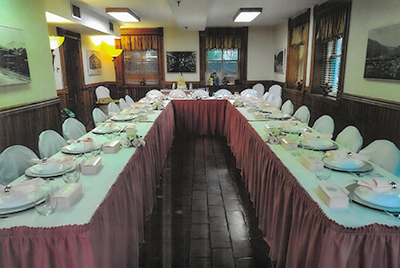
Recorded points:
(279, 61)
(383, 53)
(181, 62)
(14, 68)
(94, 62)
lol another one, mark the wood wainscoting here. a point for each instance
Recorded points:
(374, 118)
(22, 124)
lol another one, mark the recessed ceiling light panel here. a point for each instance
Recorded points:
(247, 14)
(123, 14)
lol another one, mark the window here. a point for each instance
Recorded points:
(331, 34)
(142, 57)
(224, 51)
(297, 50)
(225, 62)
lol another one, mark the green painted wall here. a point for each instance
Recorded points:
(29, 16)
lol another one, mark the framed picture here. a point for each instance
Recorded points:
(279, 61)
(94, 62)
(181, 62)
(14, 68)
(383, 53)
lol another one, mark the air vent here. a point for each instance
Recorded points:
(111, 27)
(76, 12)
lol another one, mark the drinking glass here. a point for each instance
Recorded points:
(44, 204)
(97, 149)
(73, 175)
(323, 174)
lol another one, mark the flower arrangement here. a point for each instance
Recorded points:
(158, 106)
(132, 140)
(238, 103)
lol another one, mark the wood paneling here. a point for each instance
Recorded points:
(22, 124)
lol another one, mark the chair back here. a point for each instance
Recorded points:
(129, 100)
(350, 138)
(98, 116)
(287, 107)
(277, 103)
(223, 92)
(73, 129)
(260, 89)
(385, 154)
(14, 160)
(154, 94)
(269, 99)
(122, 104)
(50, 143)
(201, 93)
(249, 92)
(302, 114)
(265, 96)
(177, 93)
(324, 125)
(102, 92)
(113, 108)
(276, 91)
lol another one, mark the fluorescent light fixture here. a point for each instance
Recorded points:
(122, 14)
(247, 14)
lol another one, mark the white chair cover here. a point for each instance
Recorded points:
(102, 92)
(122, 104)
(50, 142)
(276, 91)
(223, 92)
(73, 129)
(385, 154)
(249, 92)
(324, 125)
(129, 100)
(269, 99)
(276, 102)
(154, 94)
(98, 116)
(265, 96)
(287, 107)
(201, 93)
(14, 161)
(302, 114)
(350, 138)
(113, 108)
(177, 93)
(260, 89)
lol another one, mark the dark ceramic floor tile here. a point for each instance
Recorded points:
(220, 240)
(200, 231)
(222, 257)
(199, 248)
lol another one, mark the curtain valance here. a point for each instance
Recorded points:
(140, 42)
(330, 22)
(218, 38)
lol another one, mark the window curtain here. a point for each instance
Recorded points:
(330, 21)
(219, 38)
(140, 42)
(297, 36)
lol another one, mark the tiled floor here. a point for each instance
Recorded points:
(204, 217)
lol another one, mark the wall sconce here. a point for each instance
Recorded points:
(112, 51)
(122, 14)
(55, 42)
(247, 14)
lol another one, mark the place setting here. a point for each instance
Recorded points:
(317, 142)
(47, 168)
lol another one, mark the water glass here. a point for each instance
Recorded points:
(323, 174)
(297, 152)
(73, 175)
(44, 204)
(97, 149)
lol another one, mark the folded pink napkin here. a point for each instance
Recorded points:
(63, 160)
(316, 137)
(345, 155)
(376, 185)
(22, 190)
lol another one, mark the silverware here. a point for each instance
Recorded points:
(392, 214)
(7, 189)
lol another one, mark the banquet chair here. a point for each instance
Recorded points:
(154, 93)
(385, 154)
(98, 116)
(73, 129)
(50, 142)
(14, 160)
(122, 104)
(324, 125)
(200, 93)
(269, 99)
(276, 103)
(260, 89)
(275, 90)
(177, 93)
(302, 114)
(129, 100)
(350, 138)
(102, 92)
(223, 92)
(249, 91)
(113, 108)
(287, 107)
(265, 96)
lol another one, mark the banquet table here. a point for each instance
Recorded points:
(105, 227)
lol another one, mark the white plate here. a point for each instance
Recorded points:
(100, 130)
(35, 171)
(122, 117)
(15, 204)
(68, 150)
(390, 198)
(279, 116)
(319, 145)
(294, 129)
(350, 165)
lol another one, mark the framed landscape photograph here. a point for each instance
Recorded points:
(181, 62)
(14, 68)
(94, 62)
(279, 61)
(383, 53)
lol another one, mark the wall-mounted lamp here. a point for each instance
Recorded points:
(247, 14)
(112, 51)
(122, 14)
(55, 42)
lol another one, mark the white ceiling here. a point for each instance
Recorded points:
(196, 15)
